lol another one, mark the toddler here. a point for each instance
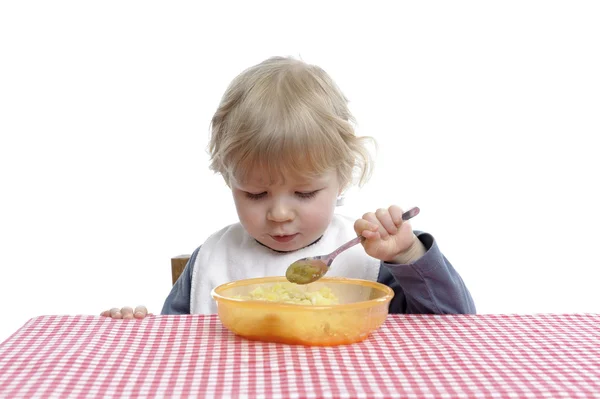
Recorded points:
(283, 140)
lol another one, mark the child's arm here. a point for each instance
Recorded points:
(178, 301)
(428, 284)
(422, 278)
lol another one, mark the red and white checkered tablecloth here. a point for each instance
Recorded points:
(410, 356)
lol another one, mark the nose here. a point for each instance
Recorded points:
(280, 212)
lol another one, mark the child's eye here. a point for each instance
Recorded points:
(256, 196)
(308, 195)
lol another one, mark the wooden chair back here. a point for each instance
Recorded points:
(177, 265)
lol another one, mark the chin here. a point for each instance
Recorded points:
(293, 245)
(288, 246)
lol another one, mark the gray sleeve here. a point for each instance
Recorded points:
(429, 285)
(178, 301)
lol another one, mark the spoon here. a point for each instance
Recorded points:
(307, 270)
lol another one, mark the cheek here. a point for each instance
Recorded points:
(248, 213)
(321, 212)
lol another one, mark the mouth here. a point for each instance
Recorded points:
(284, 238)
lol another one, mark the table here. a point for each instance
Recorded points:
(410, 356)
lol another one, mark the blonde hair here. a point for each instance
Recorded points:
(286, 116)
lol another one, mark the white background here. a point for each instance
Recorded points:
(485, 115)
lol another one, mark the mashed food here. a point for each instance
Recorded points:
(292, 293)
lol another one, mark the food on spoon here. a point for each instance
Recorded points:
(305, 271)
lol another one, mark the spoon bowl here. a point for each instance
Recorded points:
(312, 268)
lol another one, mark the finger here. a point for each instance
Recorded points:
(362, 226)
(140, 312)
(371, 235)
(371, 217)
(127, 312)
(396, 213)
(384, 217)
(106, 313)
(115, 313)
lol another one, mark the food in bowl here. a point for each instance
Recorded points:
(291, 293)
(361, 308)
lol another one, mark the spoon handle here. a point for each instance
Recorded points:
(412, 212)
(344, 247)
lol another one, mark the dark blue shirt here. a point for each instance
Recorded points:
(429, 285)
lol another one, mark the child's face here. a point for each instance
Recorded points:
(289, 215)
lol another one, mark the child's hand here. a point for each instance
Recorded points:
(127, 313)
(388, 237)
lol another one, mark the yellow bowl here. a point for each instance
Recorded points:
(363, 307)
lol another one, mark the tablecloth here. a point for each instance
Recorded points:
(410, 356)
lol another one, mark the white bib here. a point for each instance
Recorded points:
(232, 254)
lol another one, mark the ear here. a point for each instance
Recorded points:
(340, 198)
(341, 195)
